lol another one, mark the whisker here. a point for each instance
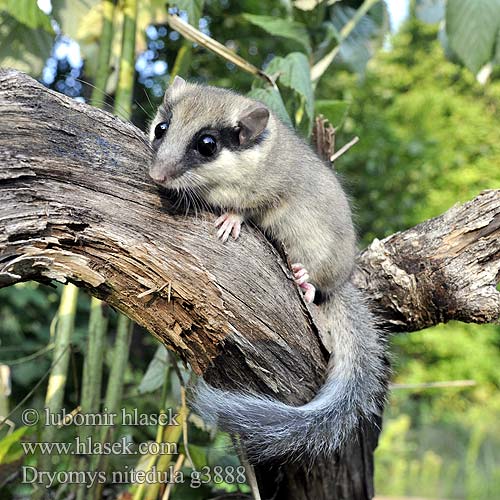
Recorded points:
(111, 107)
(149, 100)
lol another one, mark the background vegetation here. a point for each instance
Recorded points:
(424, 102)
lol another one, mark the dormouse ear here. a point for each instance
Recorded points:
(178, 82)
(253, 122)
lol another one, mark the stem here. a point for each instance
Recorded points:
(177, 467)
(60, 362)
(322, 65)
(92, 378)
(114, 390)
(141, 488)
(92, 369)
(4, 391)
(58, 376)
(182, 61)
(124, 90)
(98, 96)
(171, 434)
(183, 58)
(191, 33)
(344, 148)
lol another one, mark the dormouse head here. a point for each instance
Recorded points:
(208, 138)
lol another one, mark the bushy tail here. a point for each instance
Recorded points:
(354, 391)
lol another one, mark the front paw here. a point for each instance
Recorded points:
(229, 224)
(301, 278)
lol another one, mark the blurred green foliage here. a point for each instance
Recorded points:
(429, 138)
(428, 133)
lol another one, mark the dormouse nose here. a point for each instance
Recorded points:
(157, 173)
(164, 171)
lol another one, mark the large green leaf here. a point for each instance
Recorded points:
(155, 374)
(282, 27)
(82, 20)
(23, 48)
(473, 27)
(366, 32)
(293, 72)
(69, 14)
(333, 110)
(272, 98)
(430, 11)
(497, 55)
(28, 13)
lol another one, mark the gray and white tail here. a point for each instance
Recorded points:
(354, 391)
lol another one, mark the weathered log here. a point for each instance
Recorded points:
(443, 269)
(76, 205)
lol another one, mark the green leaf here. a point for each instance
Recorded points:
(69, 14)
(8, 452)
(28, 13)
(294, 72)
(199, 455)
(272, 98)
(333, 110)
(194, 9)
(472, 27)
(155, 374)
(430, 11)
(23, 48)
(362, 32)
(292, 30)
(497, 55)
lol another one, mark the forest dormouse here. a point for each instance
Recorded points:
(239, 158)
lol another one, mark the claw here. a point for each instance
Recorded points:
(228, 224)
(301, 278)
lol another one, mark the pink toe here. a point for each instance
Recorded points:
(220, 220)
(301, 272)
(236, 230)
(228, 224)
(227, 232)
(223, 228)
(302, 280)
(310, 292)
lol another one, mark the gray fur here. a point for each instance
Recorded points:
(282, 185)
(354, 391)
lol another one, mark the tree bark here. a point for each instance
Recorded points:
(76, 205)
(444, 269)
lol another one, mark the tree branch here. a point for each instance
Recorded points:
(76, 205)
(446, 268)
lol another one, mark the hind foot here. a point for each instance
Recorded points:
(301, 278)
(228, 224)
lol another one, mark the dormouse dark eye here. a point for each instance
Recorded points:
(206, 145)
(160, 129)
